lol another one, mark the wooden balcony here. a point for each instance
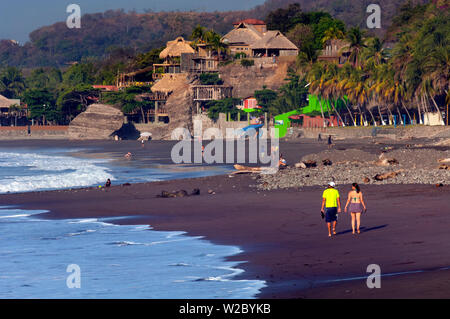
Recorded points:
(212, 92)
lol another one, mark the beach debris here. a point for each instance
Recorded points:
(439, 185)
(327, 162)
(444, 166)
(366, 180)
(195, 192)
(300, 165)
(179, 193)
(126, 184)
(384, 161)
(211, 192)
(381, 177)
(310, 163)
(444, 160)
(249, 169)
(306, 164)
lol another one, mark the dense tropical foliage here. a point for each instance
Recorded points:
(407, 74)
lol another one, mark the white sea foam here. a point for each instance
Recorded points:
(42, 172)
(15, 216)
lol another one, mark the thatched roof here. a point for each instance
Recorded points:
(274, 40)
(169, 83)
(243, 33)
(4, 102)
(250, 21)
(246, 34)
(176, 47)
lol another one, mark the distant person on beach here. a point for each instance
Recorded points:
(282, 162)
(108, 183)
(331, 206)
(142, 143)
(355, 205)
(128, 155)
(330, 142)
(319, 137)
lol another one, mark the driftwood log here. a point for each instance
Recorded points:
(381, 177)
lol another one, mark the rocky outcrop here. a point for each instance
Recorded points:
(179, 106)
(245, 81)
(99, 121)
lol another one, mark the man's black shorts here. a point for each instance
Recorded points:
(330, 214)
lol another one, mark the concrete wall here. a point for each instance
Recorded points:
(417, 131)
(37, 132)
(222, 124)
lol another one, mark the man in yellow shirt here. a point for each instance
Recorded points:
(331, 206)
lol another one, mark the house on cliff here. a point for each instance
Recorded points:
(172, 57)
(251, 37)
(336, 51)
(6, 104)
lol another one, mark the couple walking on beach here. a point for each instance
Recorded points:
(331, 207)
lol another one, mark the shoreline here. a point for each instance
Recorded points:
(283, 238)
(286, 251)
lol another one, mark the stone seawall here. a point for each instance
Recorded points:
(36, 132)
(399, 132)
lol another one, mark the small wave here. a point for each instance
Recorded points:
(81, 232)
(15, 216)
(125, 243)
(180, 265)
(91, 221)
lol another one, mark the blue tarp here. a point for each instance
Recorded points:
(254, 126)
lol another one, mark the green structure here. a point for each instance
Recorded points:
(283, 122)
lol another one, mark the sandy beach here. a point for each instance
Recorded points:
(280, 231)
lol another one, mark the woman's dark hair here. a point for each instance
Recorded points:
(357, 187)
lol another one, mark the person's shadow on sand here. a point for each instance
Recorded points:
(363, 229)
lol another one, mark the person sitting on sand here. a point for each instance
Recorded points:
(282, 162)
(331, 206)
(108, 183)
(356, 206)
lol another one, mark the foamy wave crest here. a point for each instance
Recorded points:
(45, 172)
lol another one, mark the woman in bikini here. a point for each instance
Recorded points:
(356, 206)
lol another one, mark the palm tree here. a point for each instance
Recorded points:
(15, 110)
(355, 37)
(375, 53)
(316, 80)
(198, 34)
(331, 91)
(12, 82)
(333, 33)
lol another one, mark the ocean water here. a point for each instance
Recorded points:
(49, 169)
(114, 261)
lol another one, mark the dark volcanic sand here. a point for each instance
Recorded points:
(283, 237)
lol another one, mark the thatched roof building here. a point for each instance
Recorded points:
(6, 103)
(255, 40)
(169, 83)
(175, 48)
(274, 40)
